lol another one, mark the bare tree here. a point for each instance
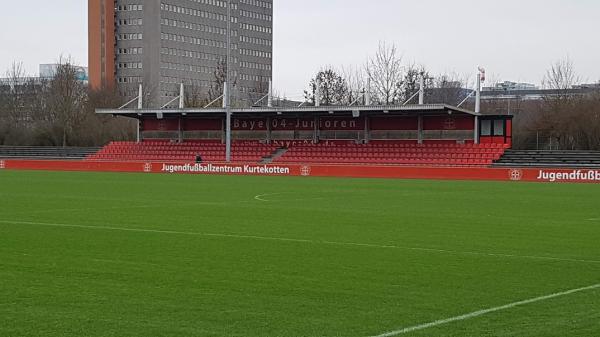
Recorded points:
(58, 110)
(556, 118)
(15, 95)
(257, 93)
(332, 87)
(562, 119)
(219, 79)
(20, 101)
(447, 89)
(66, 99)
(561, 75)
(589, 117)
(195, 97)
(410, 84)
(100, 129)
(386, 73)
(356, 81)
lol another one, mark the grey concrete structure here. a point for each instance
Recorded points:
(163, 43)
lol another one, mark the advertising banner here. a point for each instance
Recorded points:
(316, 170)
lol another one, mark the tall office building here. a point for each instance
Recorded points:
(162, 43)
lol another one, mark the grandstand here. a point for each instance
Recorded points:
(415, 135)
(388, 152)
(36, 152)
(537, 158)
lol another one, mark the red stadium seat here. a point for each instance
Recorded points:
(440, 153)
(209, 150)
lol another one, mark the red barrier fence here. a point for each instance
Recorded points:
(354, 171)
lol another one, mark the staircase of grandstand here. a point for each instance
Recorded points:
(449, 154)
(209, 151)
(535, 158)
(48, 153)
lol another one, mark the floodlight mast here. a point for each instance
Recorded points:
(226, 89)
(421, 88)
(480, 79)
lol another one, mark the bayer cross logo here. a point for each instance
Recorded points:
(305, 171)
(148, 167)
(516, 175)
(2, 164)
(449, 124)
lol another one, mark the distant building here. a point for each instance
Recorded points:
(49, 71)
(163, 43)
(587, 86)
(512, 86)
(508, 90)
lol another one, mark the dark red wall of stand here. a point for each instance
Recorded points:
(448, 123)
(393, 123)
(214, 124)
(160, 124)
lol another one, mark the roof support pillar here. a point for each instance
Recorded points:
(420, 129)
(476, 132)
(227, 122)
(268, 130)
(228, 136)
(316, 130)
(138, 132)
(366, 136)
(179, 131)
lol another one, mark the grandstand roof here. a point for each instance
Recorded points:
(391, 109)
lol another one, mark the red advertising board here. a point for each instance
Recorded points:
(355, 171)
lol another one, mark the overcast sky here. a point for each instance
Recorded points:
(513, 39)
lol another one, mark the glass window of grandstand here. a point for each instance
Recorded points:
(486, 127)
(499, 127)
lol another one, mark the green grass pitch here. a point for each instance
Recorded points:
(98, 254)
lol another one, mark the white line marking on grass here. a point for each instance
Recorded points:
(324, 242)
(486, 311)
(43, 211)
(261, 197)
(142, 230)
(435, 250)
(533, 257)
(89, 209)
(594, 219)
(126, 262)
